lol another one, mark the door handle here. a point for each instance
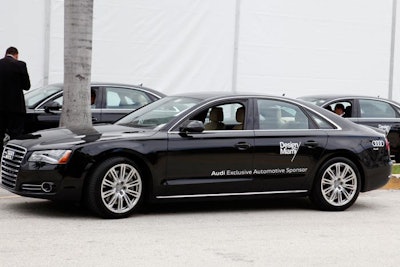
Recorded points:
(94, 119)
(311, 144)
(242, 146)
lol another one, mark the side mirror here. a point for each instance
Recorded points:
(52, 106)
(191, 126)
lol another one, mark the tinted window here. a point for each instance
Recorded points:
(122, 98)
(344, 105)
(94, 92)
(224, 117)
(59, 100)
(322, 123)
(34, 97)
(376, 109)
(280, 115)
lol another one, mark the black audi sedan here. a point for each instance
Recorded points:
(203, 146)
(110, 101)
(372, 111)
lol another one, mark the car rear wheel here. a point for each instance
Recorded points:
(115, 188)
(337, 185)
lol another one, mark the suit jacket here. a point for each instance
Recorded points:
(14, 78)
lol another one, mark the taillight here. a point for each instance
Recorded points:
(387, 145)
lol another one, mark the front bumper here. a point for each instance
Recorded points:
(38, 180)
(46, 185)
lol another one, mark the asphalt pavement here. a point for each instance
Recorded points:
(272, 232)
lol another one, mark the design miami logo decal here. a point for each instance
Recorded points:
(290, 148)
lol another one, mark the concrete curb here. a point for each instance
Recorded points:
(394, 182)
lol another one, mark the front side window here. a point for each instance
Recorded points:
(94, 103)
(343, 108)
(274, 115)
(228, 116)
(34, 97)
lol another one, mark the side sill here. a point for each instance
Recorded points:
(233, 194)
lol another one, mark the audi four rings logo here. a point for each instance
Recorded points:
(9, 155)
(378, 143)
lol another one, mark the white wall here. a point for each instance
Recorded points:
(312, 46)
(287, 47)
(22, 24)
(173, 46)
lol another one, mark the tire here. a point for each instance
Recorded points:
(115, 188)
(337, 185)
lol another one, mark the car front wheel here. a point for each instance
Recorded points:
(337, 185)
(115, 188)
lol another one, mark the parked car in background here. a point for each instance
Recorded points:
(372, 111)
(202, 147)
(111, 102)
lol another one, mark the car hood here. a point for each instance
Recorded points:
(66, 138)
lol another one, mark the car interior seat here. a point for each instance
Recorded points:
(216, 118)
(239, 119)
(347, 112)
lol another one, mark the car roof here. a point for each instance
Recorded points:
(333, 96)
(221, 94)
(330, 97)
(135, 86)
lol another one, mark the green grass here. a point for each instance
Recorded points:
(396, 169)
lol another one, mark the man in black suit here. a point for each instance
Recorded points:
(14, 78)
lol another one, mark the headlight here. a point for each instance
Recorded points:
(51, 156)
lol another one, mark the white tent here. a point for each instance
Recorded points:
(287, 47)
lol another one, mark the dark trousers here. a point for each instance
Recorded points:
(11, 123)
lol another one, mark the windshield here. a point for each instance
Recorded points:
(314, 100)
(158, 113)
(33, 97)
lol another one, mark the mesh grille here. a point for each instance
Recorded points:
(10, 164)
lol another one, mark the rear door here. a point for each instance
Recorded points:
(288, 144)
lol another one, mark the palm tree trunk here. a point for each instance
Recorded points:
(78, 21)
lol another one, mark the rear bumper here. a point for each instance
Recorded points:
(376, 178)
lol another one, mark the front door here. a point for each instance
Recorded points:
(216, 161)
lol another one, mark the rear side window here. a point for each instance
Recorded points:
(321, 122)
(274, 114)
(376, 109)
(123, 98)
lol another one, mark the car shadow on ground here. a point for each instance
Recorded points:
(230, 206)
(46, 208)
